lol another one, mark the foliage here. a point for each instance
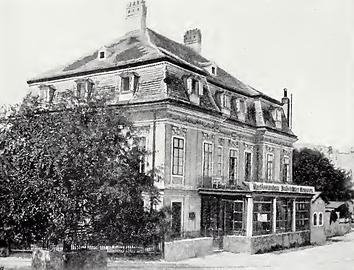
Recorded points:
(71, 172)
(312, 168)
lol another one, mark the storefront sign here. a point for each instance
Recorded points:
(280, 188)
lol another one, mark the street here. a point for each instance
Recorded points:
(338, 253)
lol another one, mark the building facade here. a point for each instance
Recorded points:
(222, 148)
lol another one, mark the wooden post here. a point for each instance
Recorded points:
(294, 216)
(274, 215)
(249, 224)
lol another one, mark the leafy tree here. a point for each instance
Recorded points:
(312, 168)
(71, 173)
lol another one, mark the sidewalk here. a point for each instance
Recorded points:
(338, 253)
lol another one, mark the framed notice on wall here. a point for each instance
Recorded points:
(262, 217)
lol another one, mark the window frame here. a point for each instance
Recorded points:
(320, 224)
(173, 200)
(315, 219)
(249, 178)
(256, 214)
(143, 158)
(220, 160)
(122, 83)
(226, 101)
(235, 180)
(183, 157)
(210, 160)
(269, 170)
(284, 223)
(286, 169)
(302, 216)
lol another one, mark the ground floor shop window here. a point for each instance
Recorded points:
(262, 216)
(233, 217)
(302, 215)
(284, 215)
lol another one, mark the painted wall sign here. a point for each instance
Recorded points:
(280, 188)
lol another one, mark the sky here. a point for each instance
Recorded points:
(306, 46)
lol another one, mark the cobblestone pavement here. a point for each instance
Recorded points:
(337, 254)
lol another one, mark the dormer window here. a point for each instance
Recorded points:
(129, 82)
(125, 84)
(194, 86)
(278, 118)
(226, 101)
(102, 53)
(241, 108)
(84, 88)
(46, 94)
(213, 70)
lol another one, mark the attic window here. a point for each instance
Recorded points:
(213, 70)
(102, 55)
(195, 86)
(125, 84)
(129, 82)
(278, 115)
(241, 106)
(226, 101)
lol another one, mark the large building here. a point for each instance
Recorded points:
(223, 149)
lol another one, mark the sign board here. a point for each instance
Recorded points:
(271, 187)
(262, 217)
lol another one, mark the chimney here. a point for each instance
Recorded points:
(287, 107)
(135, 18)
(193, 39)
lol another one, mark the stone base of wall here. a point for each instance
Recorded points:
(80, 260)
(265, 243)
(188, 248)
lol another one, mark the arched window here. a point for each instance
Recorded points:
(314, 219)
(320, 219)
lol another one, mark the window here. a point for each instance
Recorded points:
(241, 106)
(84, 88)
(142, 148)
(125, 84)
(262, 213)
(101, 54)
(233, 167)
(213, 70)
(177, 156)
(284, 215)
(195, 86)
(248, 164)
(46, 93)
(80, 89)
(219, 161)
(302, 215)
(270, 159)
(90, 86)
(286, 170)
(278, 115)
(176, 220)
(233, 217)
(315, 219)
(226, 102)
(207, 159)
(320, 219)
(129, 82)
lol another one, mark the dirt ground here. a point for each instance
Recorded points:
(338, 253)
